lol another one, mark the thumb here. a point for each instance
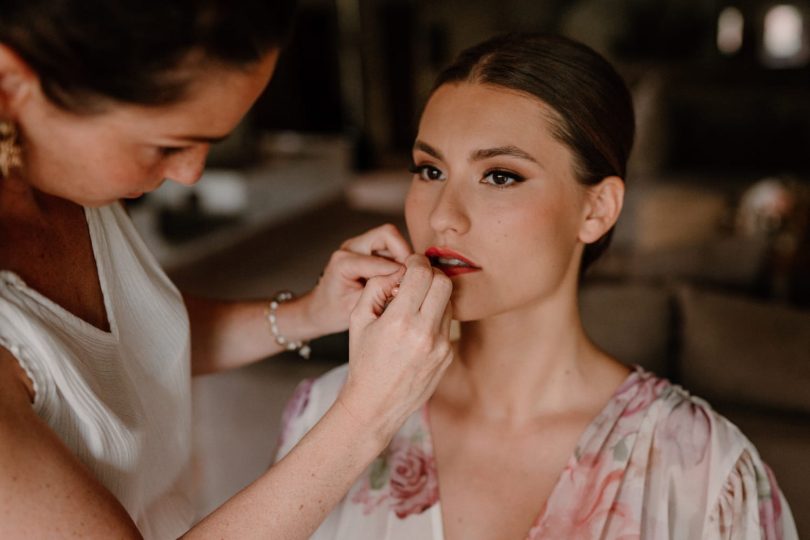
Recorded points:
(375, 296)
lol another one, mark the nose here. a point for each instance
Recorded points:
(187, 167)
(449, 212)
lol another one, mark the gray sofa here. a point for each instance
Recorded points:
(748, 358)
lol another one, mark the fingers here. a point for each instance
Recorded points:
(415, 285)
(384, 241)
(354, 267)
(435, 305)
(374, 297)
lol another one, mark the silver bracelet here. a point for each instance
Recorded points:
(301, 347)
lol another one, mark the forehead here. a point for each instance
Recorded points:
(465, 115)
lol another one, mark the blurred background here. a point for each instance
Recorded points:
(708, 280)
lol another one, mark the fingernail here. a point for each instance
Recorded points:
(395, 291)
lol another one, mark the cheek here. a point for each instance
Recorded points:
(89, 170)
(530, 243)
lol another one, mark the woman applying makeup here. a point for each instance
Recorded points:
(104, 100)
(534, 432)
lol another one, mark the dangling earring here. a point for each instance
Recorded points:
(10, 151)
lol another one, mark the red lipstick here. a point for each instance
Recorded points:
(450, 262)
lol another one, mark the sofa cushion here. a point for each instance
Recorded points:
(731, 263)
(738, 350)
(629, 321)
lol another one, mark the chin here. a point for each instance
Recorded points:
(466, 311)
(96, 203)
(79, 199)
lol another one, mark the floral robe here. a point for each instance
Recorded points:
(654, 463)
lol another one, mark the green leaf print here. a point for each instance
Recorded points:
(379, 473)
(620, 451)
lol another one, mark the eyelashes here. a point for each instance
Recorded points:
(498, 178)
(426, 172)
(502, 178)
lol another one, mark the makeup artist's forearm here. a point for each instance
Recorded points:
(230, 334)
(292, 498)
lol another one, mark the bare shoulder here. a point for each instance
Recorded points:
(44, 490)
(14, 383)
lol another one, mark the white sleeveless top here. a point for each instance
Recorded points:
(120, 400)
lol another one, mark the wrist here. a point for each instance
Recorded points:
(289, 321)
(359, 442)
(376, 424)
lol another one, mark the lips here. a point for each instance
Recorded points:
(450, 262)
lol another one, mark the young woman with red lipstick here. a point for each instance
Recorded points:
(534, 432)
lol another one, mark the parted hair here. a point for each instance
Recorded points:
(134, 51)
(593, 108)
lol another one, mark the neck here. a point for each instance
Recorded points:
(19, 201)
(529, 362)
(30, 222)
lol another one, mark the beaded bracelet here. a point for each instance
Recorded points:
(301, 347)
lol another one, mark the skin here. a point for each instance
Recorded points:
(127, 150)
(74, 160)
(527, 381)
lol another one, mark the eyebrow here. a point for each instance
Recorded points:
(478, 155)
(508, 150)
(426, 148)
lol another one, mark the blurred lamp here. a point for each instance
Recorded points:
(730, 30)
(783, 37)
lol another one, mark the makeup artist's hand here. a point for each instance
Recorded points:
(398, 353)
(380, 251)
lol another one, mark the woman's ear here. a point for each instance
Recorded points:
(602, 208)
(16, 81)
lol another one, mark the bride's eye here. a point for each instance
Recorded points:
(426, 172)
(502, 179)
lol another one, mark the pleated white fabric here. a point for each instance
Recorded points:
(120, 400)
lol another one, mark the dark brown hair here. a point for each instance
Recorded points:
(594, 109)
(87, 51)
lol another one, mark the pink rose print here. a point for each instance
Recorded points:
(295, 407)
(685, 437)
(592, 483)
(370, 494)
(647, 391)
(369, 498)
(770, 509)
(414, 483)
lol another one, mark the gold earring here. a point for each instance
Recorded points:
(10, 151)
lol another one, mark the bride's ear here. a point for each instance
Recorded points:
(603, 204)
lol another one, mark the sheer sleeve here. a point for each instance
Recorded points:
(309, 402)
(750, 505)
